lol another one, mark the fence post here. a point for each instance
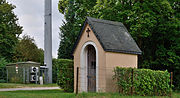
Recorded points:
(36, 76)
(171, 78)
(7, 74)
(132, 74)
(28, 77)
(77, 75)
(24, 75)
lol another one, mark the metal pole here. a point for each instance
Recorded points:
(77, 75)
(28, 71)
(48, 38)
(24, 75)
(171, 78)
(7, 73)
(132, 73)
(36, 76)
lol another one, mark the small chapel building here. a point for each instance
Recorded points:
(101, 46)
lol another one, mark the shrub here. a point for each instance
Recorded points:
(2, 81)
(145, 81)
(3, 75)
(54, 70)
(3, 62)
(65, 74)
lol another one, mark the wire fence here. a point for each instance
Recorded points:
(3, 75)
(94, 79)
(89, 79)
(22, 75)
(102, 80)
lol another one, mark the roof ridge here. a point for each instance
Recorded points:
(106, 21)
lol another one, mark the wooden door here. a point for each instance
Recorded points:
(91, 69)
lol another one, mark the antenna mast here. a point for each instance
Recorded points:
(48, 38)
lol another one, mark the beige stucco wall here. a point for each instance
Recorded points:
(101, 59)
(117, 59)
(107, 61)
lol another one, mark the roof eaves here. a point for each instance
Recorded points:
(140, 52)
(105, 21)
(124, 51)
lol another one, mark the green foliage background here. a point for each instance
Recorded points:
(65, 74)
(9, 30)
(3, 62)
(154, 24)
(3, 72)
(145, 81)
(27, 50)
(12, 47)
(75, 12)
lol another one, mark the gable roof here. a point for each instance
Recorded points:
(113, 36)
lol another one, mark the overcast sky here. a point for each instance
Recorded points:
(31, 17)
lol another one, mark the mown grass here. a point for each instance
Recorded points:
(61, 94)
(17, 85)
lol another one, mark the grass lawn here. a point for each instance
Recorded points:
(17, 85)
(61, 94)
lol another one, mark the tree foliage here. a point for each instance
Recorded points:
(9, 30)
(3, 62)
(27, 50)
(75, 12)
(154, 24)
(9, 33)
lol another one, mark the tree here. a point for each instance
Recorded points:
(27, 50)
(9, 30)
(175, 6)
(151, 23)
(75, 12)
(154, 24)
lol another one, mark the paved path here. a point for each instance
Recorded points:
(28, 88)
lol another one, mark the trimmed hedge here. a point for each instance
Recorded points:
(65, 74)
(142, 81)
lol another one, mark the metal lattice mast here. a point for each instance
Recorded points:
(48, 38)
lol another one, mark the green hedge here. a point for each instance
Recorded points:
(65, 74)
(142, 81)
(3, 74)
(54, 70)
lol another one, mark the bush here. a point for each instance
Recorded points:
(65, 74)
(3, 75)
(2, 81)
(145, 81)
(54, 70)
(3, 62)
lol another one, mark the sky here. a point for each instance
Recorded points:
(31, 17)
